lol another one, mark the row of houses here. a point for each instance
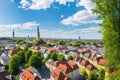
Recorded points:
(70, 69)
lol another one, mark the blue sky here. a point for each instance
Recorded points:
(56, 18)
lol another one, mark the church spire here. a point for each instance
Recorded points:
(13, 34)
(79, 38)
(38, 33)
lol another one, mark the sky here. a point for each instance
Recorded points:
(55, 18)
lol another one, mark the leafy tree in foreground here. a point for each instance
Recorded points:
(70, 57)
(14, 64)
(21, 55)
(27, 55)
(101, 75)
(109, 11)
(35, 61)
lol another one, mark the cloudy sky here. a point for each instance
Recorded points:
(55, 18)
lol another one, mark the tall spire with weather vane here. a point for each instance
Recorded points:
(79, 37)
(13, 34)
(38, 33)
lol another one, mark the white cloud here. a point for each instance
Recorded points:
(35, 4)
(27, 25)
(82, 16)
(64, 1)
(41, 4)
(86, 3)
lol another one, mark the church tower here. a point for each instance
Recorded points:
(13, 34)
(38, 33)
(79, 38)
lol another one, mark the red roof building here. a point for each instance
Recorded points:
(28, 75)
(102, 62)
(58, 75)
(91, 67)
(13, 51)
(84, 62)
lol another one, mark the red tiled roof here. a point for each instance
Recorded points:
(13, 51)
(97, 59)
(92, 56)
(87, 55)
(58, 75)
(111, 70)
(84, 62)
(27, 75)
(73, 65)
(65, 68)
(102, 62)
(84, 50)
(56, 63)
(91, 67)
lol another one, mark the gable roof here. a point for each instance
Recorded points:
(102, 62)
(110, 70)
(27, 75)
(58, 75)
(13, 51)
(87, 55)
(73, 65)
(84, 62)
(91, 67)
(65, 68)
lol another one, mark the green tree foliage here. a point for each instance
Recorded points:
(17, 77)
(2, 47)
(38, 53)
(53, 56)
(14, 64)
(50, 45)
(20, 41)
(62, 42)
(29, 44)
(17, 48)
(84, 73)
(101, 75)
(70, 57)
(28, 55)
(25, 48)
(109, 11)
(46, 58)
(60, 57)
(21, 55)
(35, 61)
(38, 42)
(78, 43)
(92, 76)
